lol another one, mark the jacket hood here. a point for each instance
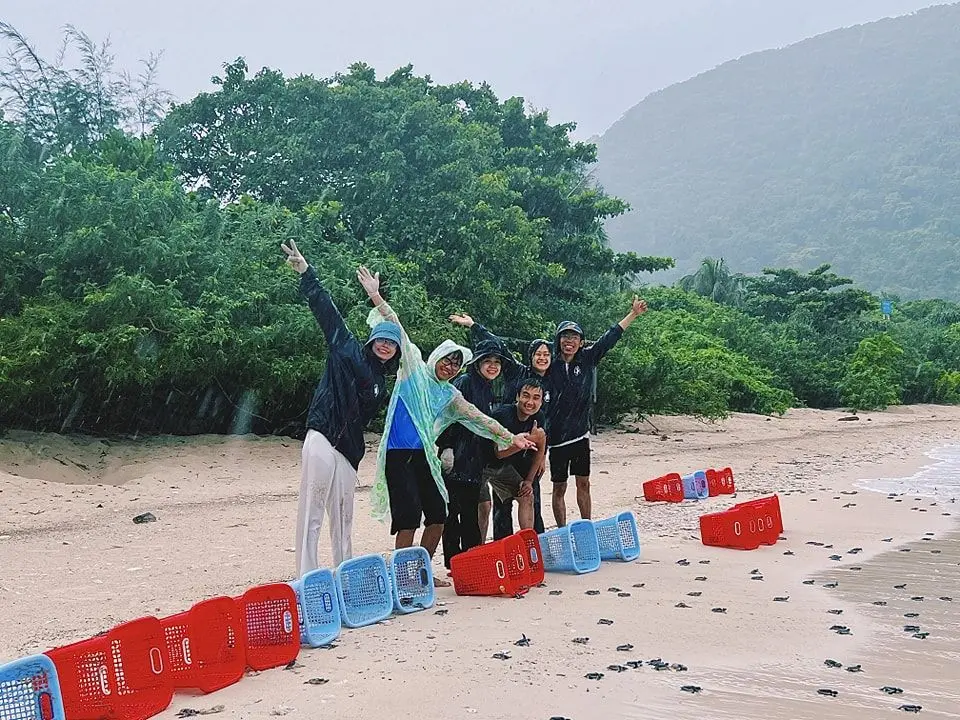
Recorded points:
(487, 348)
(444, 349)
(385, 330)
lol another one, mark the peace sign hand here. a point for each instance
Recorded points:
(294, 258)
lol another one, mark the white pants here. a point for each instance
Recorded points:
(327, 482)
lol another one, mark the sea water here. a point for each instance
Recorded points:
(938, 479)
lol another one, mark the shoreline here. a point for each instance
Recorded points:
(225, 514)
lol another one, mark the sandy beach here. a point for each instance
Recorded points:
(73, 564)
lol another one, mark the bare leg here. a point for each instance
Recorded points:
(483, 516)
(583, 496)
(525, 512)
(559, 505)
(405, 539)
(429, 541)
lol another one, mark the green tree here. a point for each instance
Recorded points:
(714, 280)
(872, 377)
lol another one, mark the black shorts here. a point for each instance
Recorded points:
(413, 491)
(572, 459)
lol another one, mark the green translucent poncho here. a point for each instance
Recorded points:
(433, 405)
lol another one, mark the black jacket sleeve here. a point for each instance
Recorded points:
(335, 330)
(594, 354)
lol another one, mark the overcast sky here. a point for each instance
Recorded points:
(583, 61)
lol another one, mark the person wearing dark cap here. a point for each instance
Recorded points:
(538, 358)
(465, 479)
(351, 391)
(572, 378)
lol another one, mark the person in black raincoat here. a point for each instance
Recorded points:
(351, 391)
(538, 358)
(465, 479)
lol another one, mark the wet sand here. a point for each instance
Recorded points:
(225, 512)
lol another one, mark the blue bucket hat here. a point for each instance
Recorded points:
(386, 330)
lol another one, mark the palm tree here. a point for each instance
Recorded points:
(714, 280)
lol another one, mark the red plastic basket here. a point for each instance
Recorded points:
(121, 675)
(533, 557)
(767, 511)
(666, 488)
(271, 625)
(725, 481)
(714, 479)
(206, 646)
(729, 529)
(496, 568)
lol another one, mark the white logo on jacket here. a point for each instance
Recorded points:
(376, 391)
(576, 370)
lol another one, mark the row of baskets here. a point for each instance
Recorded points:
(698, 485)
(132, 671)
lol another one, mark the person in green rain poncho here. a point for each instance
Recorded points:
(409, 486)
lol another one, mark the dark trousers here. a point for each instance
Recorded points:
(462, 529)
(503, 514)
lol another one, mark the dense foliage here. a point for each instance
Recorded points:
(142, 288)
(840, 149)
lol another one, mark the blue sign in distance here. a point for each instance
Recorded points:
(886, 307)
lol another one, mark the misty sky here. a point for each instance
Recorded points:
(584, 62)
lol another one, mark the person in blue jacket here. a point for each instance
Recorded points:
(351, 391)
(572, 378)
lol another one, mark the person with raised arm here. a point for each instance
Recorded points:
(409, 486)
(351, 391)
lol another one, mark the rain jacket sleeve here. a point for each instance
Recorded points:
(470, 416)
(328, 317)
(594, 354)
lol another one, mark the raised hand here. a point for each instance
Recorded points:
(294, 257)
(638, 307)
(461, 319)
(370, 281)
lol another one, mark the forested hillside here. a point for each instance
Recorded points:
(844, 148)
(142, 288)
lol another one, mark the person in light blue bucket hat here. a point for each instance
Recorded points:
(352, 390)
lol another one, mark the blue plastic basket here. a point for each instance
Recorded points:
(412, 580)
(319, 607)
(695, 486)
(573, 548)
(363, 589)
(618, 537)
(29, 690)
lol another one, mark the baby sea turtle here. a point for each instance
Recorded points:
(832, 663)
(911, 628)
(911, 615)
(555, 592)
(827, 691)
(936, 552)
(613, 589)
(809, 582)
(639, 585)
(904, 549)
(701, 578)
(836, 557)
(854, 668)
(946, 598)
(604, 621)
(626, 647)
(781, 598)
(704, 562)
(581, 640)
(917, 598)
(902, 586)
(695, 593)
(788, 552)
(854, 551)
(887, 540)
(855, 568)
(757, 577)
(623, 594)
(718, 609)
(617, 668)
(693, 689)
(635, 664)
(501, 656)
(524, 641)
(678, 667)
(911, 708)
(828, 547)
(835, 612)
(921, 635)
(594, 676)
(592, 592)
(655, 661)
(814, 543)
(890, 690)
(681, 605)
(440, 612)
(831, 584)
(881, 603)
(838, 628)
(316, 681)
(683, 561)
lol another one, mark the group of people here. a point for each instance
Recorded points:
(453, 449)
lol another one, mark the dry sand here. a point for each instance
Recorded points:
(73, 563)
